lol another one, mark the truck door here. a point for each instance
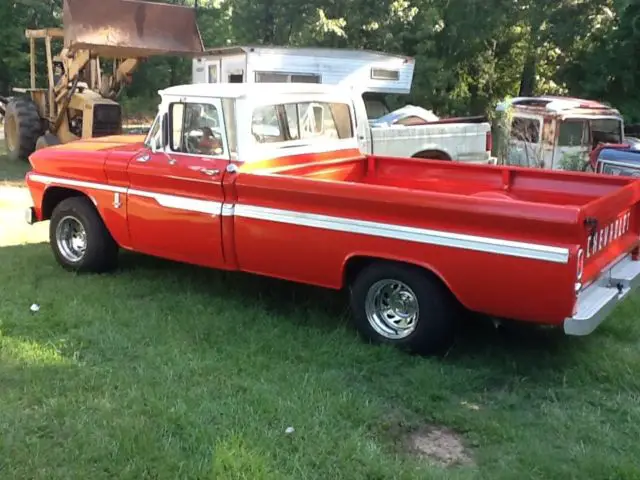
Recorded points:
(175, 196)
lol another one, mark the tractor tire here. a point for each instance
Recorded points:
(22, 127)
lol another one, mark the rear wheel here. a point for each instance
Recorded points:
(79, 239)
(405, 306)
(22, 127)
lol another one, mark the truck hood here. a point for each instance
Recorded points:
(84, 159)
(128, 142)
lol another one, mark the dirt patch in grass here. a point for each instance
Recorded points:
(438, 445)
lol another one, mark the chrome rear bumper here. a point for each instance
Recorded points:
(596, 301)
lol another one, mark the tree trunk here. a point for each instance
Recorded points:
(528, 77)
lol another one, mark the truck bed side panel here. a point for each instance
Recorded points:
(304, 230)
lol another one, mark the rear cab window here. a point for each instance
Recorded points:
(301, 121)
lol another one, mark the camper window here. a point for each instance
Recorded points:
(384, 74)
(305, 78)
(283, 77)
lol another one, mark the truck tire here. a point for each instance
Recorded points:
(22, 127)
(404, 306)
(79, 239)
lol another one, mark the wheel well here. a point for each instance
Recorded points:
(356, 264)
(53, 196)
(432, 155)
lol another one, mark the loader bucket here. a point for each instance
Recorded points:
(130, 28)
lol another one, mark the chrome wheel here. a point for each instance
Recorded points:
(392, 309)
(71, 239)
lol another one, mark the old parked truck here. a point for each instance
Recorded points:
(219, 183)
(374, 76)
(558, 133)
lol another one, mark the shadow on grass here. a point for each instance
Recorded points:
(12, 173)
(524, 348)
(478, 339)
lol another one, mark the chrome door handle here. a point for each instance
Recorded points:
(172, 161)
(207, 171)
(143, 158)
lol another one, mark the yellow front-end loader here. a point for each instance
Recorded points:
(80, 100)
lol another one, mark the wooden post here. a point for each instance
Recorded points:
(52, 111)
(32, 54)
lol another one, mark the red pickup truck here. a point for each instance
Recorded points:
(269, 179)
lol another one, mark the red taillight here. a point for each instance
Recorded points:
(489, 142)
(580, 264)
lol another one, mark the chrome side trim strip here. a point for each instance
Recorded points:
(36, 177)
(432, 237)
(498, 246)
(181, 203)
(169, 201)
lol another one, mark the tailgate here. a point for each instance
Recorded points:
(611, 229)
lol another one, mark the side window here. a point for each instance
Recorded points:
(571, 133)
(299, 121)
(265, 125)
(196, 129)
(525, 129)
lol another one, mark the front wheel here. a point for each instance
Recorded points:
(79, 239)
(405, 306)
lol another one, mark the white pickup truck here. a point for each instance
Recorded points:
(414, 132)
(405, 132)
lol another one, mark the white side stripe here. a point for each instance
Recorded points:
(432, 237)
(182, 203)
(498, 246)
(36, 177)
(169, 201)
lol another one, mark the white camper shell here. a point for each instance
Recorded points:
(371, 75)
(371, 72)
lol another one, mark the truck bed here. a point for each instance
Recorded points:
(515, 204)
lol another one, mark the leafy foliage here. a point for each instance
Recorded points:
(469, 53)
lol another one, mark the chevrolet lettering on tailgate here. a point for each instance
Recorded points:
(603, 237)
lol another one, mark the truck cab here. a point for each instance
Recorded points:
(557, 133)
(375, 77)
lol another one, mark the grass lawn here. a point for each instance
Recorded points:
(167, 371)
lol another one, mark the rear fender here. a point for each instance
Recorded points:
(358, 261)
